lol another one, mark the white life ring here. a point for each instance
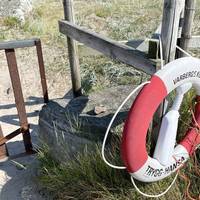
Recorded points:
(134, 154)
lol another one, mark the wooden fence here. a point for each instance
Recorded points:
(175, 30)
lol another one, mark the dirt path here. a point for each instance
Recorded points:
(18, 183)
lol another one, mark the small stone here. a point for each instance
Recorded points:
(9, 90)
(99, 109)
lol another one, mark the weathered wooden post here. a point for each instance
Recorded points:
(167, 27)
(19, 100)
(170, 27)
(187, 26)
(42, 70)
(73, 51)
(172, 12)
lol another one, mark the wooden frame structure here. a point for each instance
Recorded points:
(9, 48)
(175, 30)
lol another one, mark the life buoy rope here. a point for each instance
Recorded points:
(123, 167)
(180, 74)
(141, 166)
(111, 122)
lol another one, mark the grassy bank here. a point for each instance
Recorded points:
(87, 177)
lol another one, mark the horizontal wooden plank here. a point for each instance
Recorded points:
(194, 42)
(108, 47)
(140, 45)
(18, 44)
(10, 136)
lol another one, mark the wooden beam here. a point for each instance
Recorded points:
(10, 136)
(18, 44)
(108, 47)
(18, 94)
(73, 51)
(42, 71)
(187, 27)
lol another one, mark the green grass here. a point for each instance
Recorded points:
(103, 11)
(11, 22)
(2, 36)
(186, 113)
(88, 177)
(99, 72)
(41, 22)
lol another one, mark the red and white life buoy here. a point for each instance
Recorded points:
(136, 159)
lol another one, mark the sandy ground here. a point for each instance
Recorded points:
(17, 183)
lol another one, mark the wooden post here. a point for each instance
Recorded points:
(73, 51)
(172, 12)
(19, 100)
(167, 27)
(170, 27)
(42, 71)
(187, 26)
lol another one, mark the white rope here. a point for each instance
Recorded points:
(186, 53)
(123, 167)
(151, 195)
(115, 115)
(161, 53)
(111, 122)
